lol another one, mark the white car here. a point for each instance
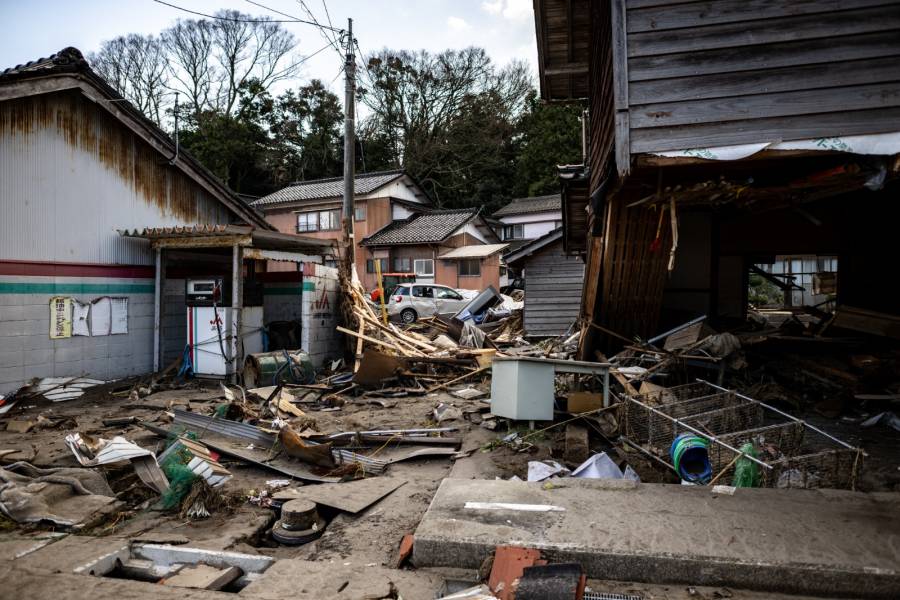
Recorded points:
(410, 301)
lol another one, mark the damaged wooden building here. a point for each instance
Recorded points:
(726, 139)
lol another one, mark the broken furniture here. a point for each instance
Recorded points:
(792, 453)
(522, 388)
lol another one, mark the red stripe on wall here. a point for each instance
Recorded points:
(55, 269)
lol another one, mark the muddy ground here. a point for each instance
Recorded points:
(371, 537)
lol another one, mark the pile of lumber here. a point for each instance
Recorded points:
(369, 328)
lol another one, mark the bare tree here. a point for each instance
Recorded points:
(189, 44)
(137, 67)
(248, 49)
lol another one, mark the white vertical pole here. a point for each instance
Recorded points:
(236, 309)
(157, 309)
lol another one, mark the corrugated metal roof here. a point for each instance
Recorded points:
(522, 206)
(364, 183)
(205, 234)
(477, 251)
(425, 228)
(186, 231)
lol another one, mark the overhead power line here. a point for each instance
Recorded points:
(323, 29)
(238, 20)
(301, 61)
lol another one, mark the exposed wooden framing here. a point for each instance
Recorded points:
(620, 86)
(573, 68)
(214, 241)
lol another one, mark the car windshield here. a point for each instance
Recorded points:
(400, 291)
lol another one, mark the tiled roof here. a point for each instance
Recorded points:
(425, 228)
(522, 206)
(364, 183)
(67, 59)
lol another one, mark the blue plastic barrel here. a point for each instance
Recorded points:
(690, 457)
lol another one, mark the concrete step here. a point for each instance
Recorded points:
(822, 542)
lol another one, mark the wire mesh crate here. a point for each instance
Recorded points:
(790, 452)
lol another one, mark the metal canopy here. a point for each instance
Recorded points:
(227, 236)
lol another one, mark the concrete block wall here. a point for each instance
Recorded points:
(27, 351)
(320, 313)
(283, 301)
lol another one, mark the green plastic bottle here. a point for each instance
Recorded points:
(746, 472)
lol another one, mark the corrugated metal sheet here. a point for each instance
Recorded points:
(479, 251)
(71, 175)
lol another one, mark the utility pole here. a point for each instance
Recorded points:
(349, 143)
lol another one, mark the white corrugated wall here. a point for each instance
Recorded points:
(63, 196)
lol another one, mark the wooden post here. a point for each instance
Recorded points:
(384, 315)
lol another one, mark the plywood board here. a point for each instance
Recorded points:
(351, 497)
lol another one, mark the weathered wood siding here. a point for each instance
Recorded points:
(553, 283)
(715, 73)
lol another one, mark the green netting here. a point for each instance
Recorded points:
(175, 467)
(746, 472)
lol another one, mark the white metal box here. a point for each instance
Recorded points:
(522, 390)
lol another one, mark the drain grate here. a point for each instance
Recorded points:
(609, 596)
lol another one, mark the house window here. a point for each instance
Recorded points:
(370, 265)
(308, 221)
(401, 265)
(557, 224)
(470, 267)
(513, 232)
(329, 220)
(424, 267)
(360, 212)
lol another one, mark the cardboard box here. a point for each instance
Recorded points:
(579, 402)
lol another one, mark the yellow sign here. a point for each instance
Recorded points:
(60, 317)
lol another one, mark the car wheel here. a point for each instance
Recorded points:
(408, 315)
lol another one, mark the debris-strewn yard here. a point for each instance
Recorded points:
(339, 468)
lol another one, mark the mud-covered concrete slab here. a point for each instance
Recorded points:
(332, 580)
(803, 541)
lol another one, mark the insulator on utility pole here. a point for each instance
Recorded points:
(349, 140)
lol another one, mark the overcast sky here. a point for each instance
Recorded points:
(505, 28)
